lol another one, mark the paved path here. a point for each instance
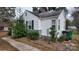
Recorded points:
(20, 46)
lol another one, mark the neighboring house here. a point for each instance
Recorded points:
(3, 26)
(45, 20)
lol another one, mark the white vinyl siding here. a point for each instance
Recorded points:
(58, 24)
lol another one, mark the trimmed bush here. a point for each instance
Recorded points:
(34, 35)
(62, 38)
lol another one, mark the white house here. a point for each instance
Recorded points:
(45, 20)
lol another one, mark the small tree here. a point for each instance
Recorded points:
(52, 34)
(19, 29)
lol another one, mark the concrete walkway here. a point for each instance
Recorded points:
(20, 46)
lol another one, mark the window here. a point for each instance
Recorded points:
(59, 24)
(26, 14)
(53, 24)
(30, 24)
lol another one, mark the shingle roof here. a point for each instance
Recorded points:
(47, 14)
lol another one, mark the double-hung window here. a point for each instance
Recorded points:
(53, 24)
(30, 24)
(59, 25)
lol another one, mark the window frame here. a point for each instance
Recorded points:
(59, 24)
(30, 24)
(53, 24)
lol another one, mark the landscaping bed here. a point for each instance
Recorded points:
(3, 33)
(5, 46)
(40, 44)
(76, 41)
(44, 46)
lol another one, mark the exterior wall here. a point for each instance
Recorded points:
(31, 17)
(5, 28)
(62, 23)
(46, 24)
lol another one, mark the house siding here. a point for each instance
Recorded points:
(31, 17)
(5, 28)
(62, 23)
(44, 24)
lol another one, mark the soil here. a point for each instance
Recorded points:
(5, 46)
(40, 44)
(72, 45)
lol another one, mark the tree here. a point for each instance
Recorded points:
(52, 34)
(35, 9)
(68, 23)
(51, 8)
(7, 12)
(19, 29)
(76, 19)
(42, 9)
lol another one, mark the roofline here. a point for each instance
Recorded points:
(42, 17)
(32, 13)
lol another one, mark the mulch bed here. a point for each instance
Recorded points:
(40, 44)
(44, 46)
(3, 33)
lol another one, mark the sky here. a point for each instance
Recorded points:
(70, 11)
(22, 9)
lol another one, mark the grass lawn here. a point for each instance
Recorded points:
(5, 46)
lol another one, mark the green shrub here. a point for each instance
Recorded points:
(52, 35)
(9, 32)
(62, 38)
(34, 35)
(19, 29)
(10, 28)
(53, 40)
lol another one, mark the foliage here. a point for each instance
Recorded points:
(76, 19)
(68, 23)
(34, 35)
(52, 34)
(19, 29)
(43, 9)
(51, 8)
(7, 12)
(61, 39)
(10, 29)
